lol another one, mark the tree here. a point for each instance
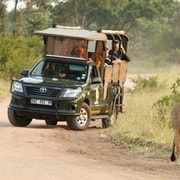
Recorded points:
(15, 16)
(75, 12)
(152, 26)
(107, 16)
(2, 15)
(34, 15)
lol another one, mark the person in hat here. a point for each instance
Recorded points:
(50, 69)
(118, 52)
(80, 52)
(109, 58)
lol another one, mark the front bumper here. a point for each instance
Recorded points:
(58, 107)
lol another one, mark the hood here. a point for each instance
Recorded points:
(51, 81)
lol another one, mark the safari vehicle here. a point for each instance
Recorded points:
(71, 82)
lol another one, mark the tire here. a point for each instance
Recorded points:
(51, 122)
(82, 121)
(19, 121)
(109, 122)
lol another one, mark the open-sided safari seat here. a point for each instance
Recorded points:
(114, 74)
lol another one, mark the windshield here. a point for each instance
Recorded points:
(62, 70)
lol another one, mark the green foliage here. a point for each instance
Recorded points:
(152, 26)
(2, 16)
(34, 15)
(146, 84)
(165, 103)
(157, 39)
(77, 12)
(161, 110)
(176, 86)
(18, 53)
(36, 21)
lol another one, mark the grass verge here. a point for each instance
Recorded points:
(138, 129)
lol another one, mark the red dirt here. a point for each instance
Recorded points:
(55, 152)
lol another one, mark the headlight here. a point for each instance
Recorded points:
(71, 93)
(17, 86)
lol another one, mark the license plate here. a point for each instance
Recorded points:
(41, 102)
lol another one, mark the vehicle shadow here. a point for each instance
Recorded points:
(62, 125)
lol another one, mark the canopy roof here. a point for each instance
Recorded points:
(114, 35)
(73, 33)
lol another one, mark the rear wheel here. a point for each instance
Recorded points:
(82, 121)
(16, 120)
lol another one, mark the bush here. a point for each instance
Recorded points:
(147, 84)
(18, 53)
(163, 106)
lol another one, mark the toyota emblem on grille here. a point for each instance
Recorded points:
(43, 90)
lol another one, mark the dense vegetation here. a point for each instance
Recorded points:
(152, 26)
(154, 44)
(17, 53)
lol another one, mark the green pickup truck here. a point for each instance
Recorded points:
(71, 82)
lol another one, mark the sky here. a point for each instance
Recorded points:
(10, 4)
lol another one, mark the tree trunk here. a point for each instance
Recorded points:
(15, 15)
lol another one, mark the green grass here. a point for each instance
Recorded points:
(138, 129)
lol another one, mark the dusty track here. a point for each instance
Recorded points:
(48, 153)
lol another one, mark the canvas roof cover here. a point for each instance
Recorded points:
(73, 33)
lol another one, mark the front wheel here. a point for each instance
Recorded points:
(16, 120)
(82, 121)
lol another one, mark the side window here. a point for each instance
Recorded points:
(95, 76)
(37, 71)
(94, 72)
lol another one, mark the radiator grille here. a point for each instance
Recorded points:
(43, 91)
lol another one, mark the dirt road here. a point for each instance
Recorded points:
(43, 152)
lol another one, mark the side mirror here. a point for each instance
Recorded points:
(24, 72)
